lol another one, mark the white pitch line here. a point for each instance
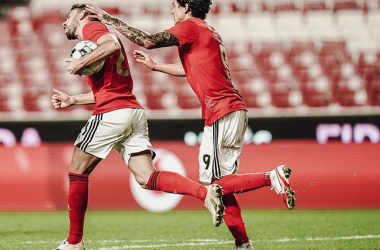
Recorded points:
(202, 242)
(215, 241)
(167, 245)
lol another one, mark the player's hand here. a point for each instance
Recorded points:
(74, 68)
(99, 14)
(145, 59)
(60, 100)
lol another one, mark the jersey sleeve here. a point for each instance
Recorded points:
(187, 32)
(94, 30)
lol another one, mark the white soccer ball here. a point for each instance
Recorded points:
(83, 48)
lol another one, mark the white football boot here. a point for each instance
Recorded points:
(280, 183)
(245, 246)
(66, 246)
(214, 203)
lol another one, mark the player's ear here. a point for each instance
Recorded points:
(83, 15)
(187, 10)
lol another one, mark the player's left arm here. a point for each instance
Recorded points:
(175, 69)
(62, 100)
(135, 35)
(107, 46)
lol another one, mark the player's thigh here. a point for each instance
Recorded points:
(232, 128)
(82, 162)
(231, 138)
(221, 146)
(141, 166)
(136, 149)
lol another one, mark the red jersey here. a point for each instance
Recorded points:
(204, 59)
(112, 86)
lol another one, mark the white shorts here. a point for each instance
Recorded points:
(221, 146)
(125, 130)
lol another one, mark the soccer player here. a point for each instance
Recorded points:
(204, 62)
(119, 122)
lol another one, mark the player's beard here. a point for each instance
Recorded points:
(71, 30)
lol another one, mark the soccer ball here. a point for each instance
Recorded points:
(83, 48)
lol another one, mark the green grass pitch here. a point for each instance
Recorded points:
(185, 230)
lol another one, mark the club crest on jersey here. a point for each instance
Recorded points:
(214, 33)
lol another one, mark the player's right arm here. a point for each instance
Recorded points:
(107, 46)
(135, 35)
(61, 100)
(171, 69)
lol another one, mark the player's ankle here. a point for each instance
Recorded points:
(74, 239)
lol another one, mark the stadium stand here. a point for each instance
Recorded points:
(283, 54)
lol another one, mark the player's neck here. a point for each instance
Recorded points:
(80, 30)
(188, 18)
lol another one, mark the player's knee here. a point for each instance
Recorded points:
(75, 170)
(80, 169)
(142, 181)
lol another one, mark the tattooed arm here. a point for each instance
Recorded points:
(135, 35)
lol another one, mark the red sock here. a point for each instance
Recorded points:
(172, 182)
(234, 220)
(240, 183)
(78, 198)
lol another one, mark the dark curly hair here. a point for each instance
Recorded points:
(198, 8)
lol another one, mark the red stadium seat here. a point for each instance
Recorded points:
(330, 47)
(345, 5)
(285, 100)
(31, 96)
(53, 37)
(301, 56)
(186, 97)
(297, 48)
(215, 10)
(4, 30)
(352, 98)
(317, 92)
(374, 93)
(30, 62)
(286, 93)
(4, 103)
(351, 92)
(3, 96)
(49, 16)
(242, 8)
(266, 49)
(312, 6)
(267, 57)
(255, 93)
(157, 96)
(284, 7)
(318, 99)
(241, 76)
(257, 100)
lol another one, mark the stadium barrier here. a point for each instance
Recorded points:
(326, 176)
